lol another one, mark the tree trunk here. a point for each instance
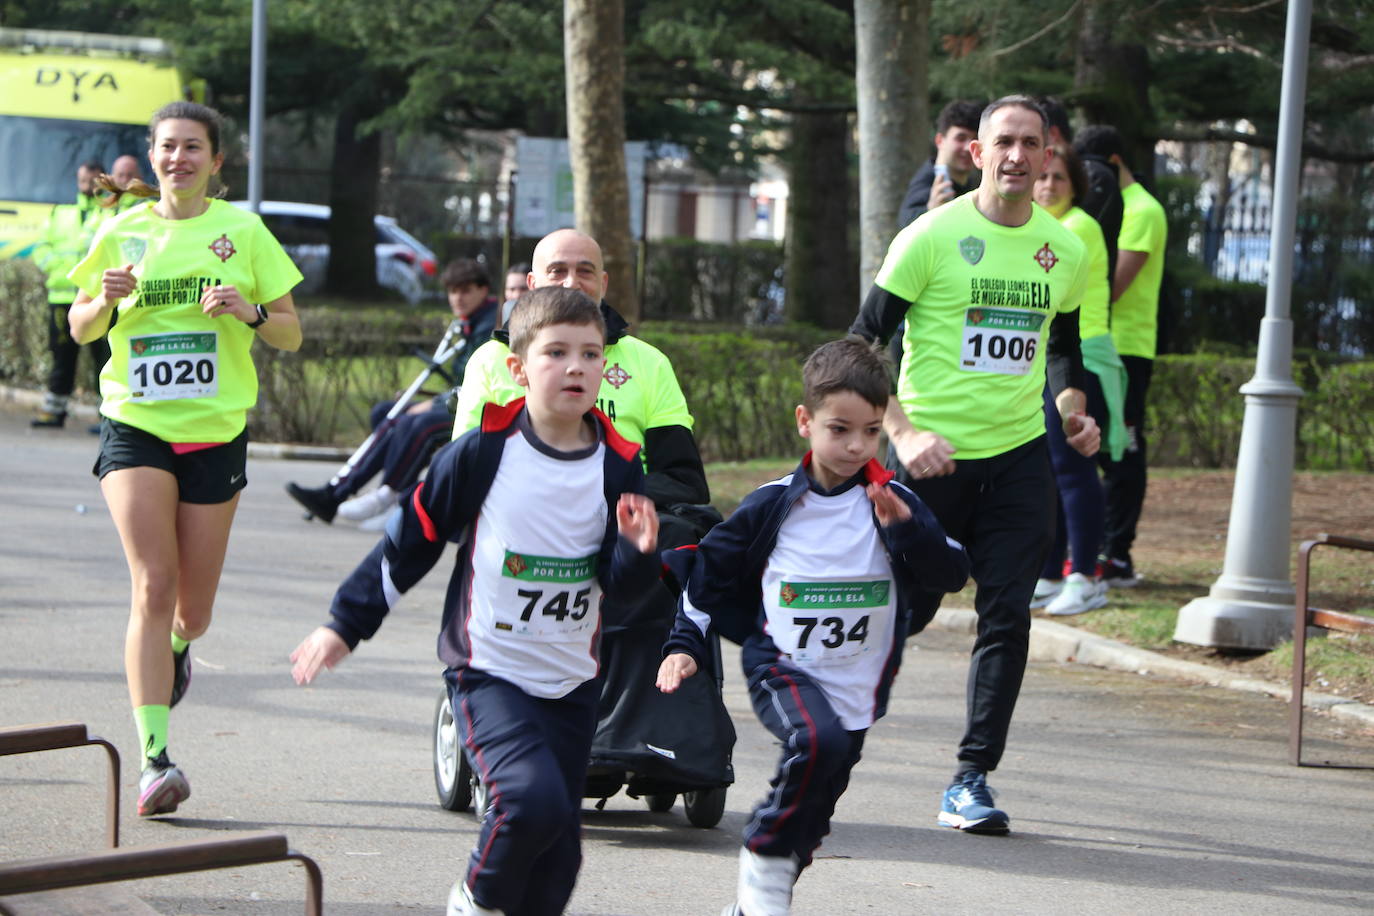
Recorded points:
(820, 277)
(353, 181)
(1112, 85)
(891, 76)
(594, 61)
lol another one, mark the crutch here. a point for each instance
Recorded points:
(447, 349)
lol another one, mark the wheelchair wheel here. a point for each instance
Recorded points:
(452, 777)
(661, 802)
(704, 808)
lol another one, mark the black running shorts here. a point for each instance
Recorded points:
(206, 477)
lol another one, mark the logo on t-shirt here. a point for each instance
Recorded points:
(223, 248)
(1046, 258)
(972, 249)
(133, 249)
(616, 376)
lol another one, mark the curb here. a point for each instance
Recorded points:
(1056, 642)
(23, 397)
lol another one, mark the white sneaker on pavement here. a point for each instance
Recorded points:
(1045, 591)
(765, 884)
(460, 903)
(1081, 593)
(369, 504)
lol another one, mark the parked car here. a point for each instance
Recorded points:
(404, 264)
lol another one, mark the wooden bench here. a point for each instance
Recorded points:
(30, 876)
(1306, 616)
(27, 739)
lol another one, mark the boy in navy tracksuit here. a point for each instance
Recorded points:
(814, 576)
(545, 500)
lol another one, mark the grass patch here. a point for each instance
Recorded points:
(1181, 552)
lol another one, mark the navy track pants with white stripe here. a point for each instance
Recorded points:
(818, 754)
(531, 754)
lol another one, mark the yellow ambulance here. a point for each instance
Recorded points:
(67, 98)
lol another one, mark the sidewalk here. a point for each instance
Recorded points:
(1128, 794)
(1050, 641)
(1056, 642)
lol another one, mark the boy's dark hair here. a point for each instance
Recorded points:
(465, 270)
(1101, 141)
(959, 113)
(550, 305)
(520, 267)
(852, 364)
(1056, 115)
(93, 165)
(1013, 101)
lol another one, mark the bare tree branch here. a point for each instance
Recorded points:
(1217, 44)
(1038, 35)
(1188, 134)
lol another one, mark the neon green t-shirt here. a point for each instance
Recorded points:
(639, 390)
(1097, 296)
(173, 371)
(983, 296)
(1135, 315)
(66, 238)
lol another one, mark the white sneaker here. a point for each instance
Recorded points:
(378, 522)
(765, 883)
(460, 903)
(1080, 594)
(1045, 589)
(369, 504)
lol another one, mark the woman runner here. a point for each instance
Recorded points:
(182, 286)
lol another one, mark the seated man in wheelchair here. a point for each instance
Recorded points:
(405, 438)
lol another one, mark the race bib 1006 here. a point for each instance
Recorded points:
(169, 367)
(547, 597)
(1000, 340)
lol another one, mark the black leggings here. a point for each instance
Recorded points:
(1001, 509)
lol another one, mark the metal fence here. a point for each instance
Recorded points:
(1333, 265)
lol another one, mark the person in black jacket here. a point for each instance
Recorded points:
(950, 172)
(402, 445)
(546, 500)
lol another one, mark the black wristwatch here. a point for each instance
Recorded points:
(262, 317)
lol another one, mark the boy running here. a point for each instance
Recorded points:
(545, 500)
(813, 575)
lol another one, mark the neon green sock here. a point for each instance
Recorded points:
(151, 722)
(178, 644)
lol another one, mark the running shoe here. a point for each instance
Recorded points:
(162, 787)
(319, 501)
(371, 504)
(765, 883)
(1118, 573)
(968, 806)
(460, 903)
(181, 675)
(49, 419)
(1080, 594)
(1045, 591)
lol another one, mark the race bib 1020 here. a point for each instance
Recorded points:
(169, 367)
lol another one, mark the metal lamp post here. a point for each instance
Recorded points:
(1250, 606)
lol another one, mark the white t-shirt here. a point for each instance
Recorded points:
(830, 599)
(535, 610)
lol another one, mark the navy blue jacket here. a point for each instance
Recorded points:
(723, 574)
(444, 506)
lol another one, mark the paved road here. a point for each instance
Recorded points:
(1127, 794)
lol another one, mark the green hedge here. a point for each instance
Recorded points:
(1195, 410)
(741, 385)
